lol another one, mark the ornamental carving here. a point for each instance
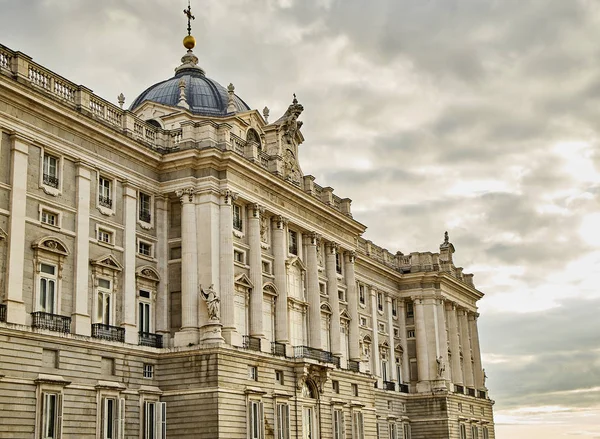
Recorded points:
(291, 170)
(264, 227)
(290, 123)
(317, 375)
(181, 193)
(228, 196)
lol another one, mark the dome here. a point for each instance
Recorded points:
(204, 96)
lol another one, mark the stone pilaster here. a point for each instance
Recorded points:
(162, 256)
(441, 339)
(80, 317)
(279, 257)
(15, 307)
(423, 360)
(352, 293)
(189, 275)
(376, 358)
(476, 352)
(403, 340)
(129, 255)
(255, 262)
(314, 296)
(390, 324)
(226, 267)
(454, 335)
(465, 340)
(334, 300)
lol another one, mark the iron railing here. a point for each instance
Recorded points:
(389, 385)
(2, 313)
(336, 361)
(50, 180)
(145, 216)
(354, 366)
(251, 343)
(151, 340)
(470, 391)
(51, 322)
(315, 354)
(278, 349)
(403, 388)
(108, 332)
(482, 394)
(459, 389)
(105, 201)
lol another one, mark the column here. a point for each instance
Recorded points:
(16, 230)
(314, 296)
(80, 317)
(421, 336)
(375, 348)
(334, 300)
(466, 348)
(255, 262)
(441, 338)
(403, 340)
(476, 352)
(279, 257)
(189, 275)
(354, 348)
(226, 269)
(207, 240)
(453, 332)
(390, 324)
(162, 256)
(129, 255)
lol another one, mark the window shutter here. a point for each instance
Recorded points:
(161, 420)
(261, 421)
(147, 418)
(121, 423)
(59, 417)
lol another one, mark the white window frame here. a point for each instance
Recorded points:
(266, 264)
(57, 213)
(105, 210)
(49, 189)
(338, 426)
(253, 373)
(51, 430)
(358, 425)
(256, 425)
(117, 429)
(363, 321)
(149, 244)
(111, 234)
(282, 421)
(147, 225)
(49, 278)
(393, 430)
(407, 431)
(237, 211)
(411, 333)
(155, 419)
(474, 431)
(106, 293)
(148, 371)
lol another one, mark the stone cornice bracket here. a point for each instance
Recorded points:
(228, 196)
(257, 210)
(280, 222)
(312, 238)
(332, 247)
(181, 193)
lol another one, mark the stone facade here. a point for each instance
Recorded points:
(165, 272)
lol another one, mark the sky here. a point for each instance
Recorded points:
(474, 116)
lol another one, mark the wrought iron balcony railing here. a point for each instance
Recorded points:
(278, 349)
(145, 216)
(105, 201)
(251, 343)
(2, 313)
(50, 180)
(403, 388)
(336, 361)
(151, 340)
(315, 354)
(470, 391)
(51, 322)
(354, 366)
(389, 385)
(107, 332)
(459, 389)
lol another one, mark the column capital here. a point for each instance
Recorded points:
(186, 194)
(256, 210)
(228, 197)
(332, 247)
(312, 238)
(279, 221)
(472, 315)
(388, 298)
(350, 256)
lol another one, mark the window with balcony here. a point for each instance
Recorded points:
(47, 289)
(50, 171)
(105, 195)
(238, 222)
(144, 208)
(104, 312)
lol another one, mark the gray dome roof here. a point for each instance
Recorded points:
(205, 96)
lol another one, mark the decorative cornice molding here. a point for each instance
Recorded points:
(181, 193)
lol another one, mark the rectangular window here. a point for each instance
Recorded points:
(293, 242)
(410, 333)
(155, 420)
(253, 373)
(104, 192)
(407, 431)
(112, 418)
(105, 236)
(342, 295)
(463, 431)
(238, 257)
(475, 432)
(393, 431)
(49, 218)
(394, 307)
(104, 302)
(354, 389)
(266, 267)
(363, 321)
(398, 370)
(338, 424)
(237, 218)
(279, 376)
(283, 421)
(144, 207)
(144, 248)
(255, 418)
(338, 263)
(381, 327)
(48, 293)
(361, 294)
(486, 434)
(380, 301)
(148, 370)
(144, 315)
(51, 415)
(50, 177)
(384, 370)
(410, 310)
(358, 426)
(396, 332)
(335, 385)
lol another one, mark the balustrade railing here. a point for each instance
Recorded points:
(108, 332)
(278, 349)
(403, 388)
(251, 343)
(354, 366)
(51, 322)
(151, 340)
(50, 180)
(389, 385)
(2, 313)
(5, 59)
(105, 201)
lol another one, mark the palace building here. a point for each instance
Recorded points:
(168, 270)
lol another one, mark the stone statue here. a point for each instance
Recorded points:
(441, 367)
(291, 124)
(484, 377)
(213, 303)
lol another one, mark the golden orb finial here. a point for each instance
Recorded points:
(189, 42)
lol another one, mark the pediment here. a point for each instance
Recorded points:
(399, 348)
(326, 308)
(244, 281)
(344, 315)
(107, 261)
(384, 345)
(270, 288)
(148, 272)
(295, 261)
(51, 244)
